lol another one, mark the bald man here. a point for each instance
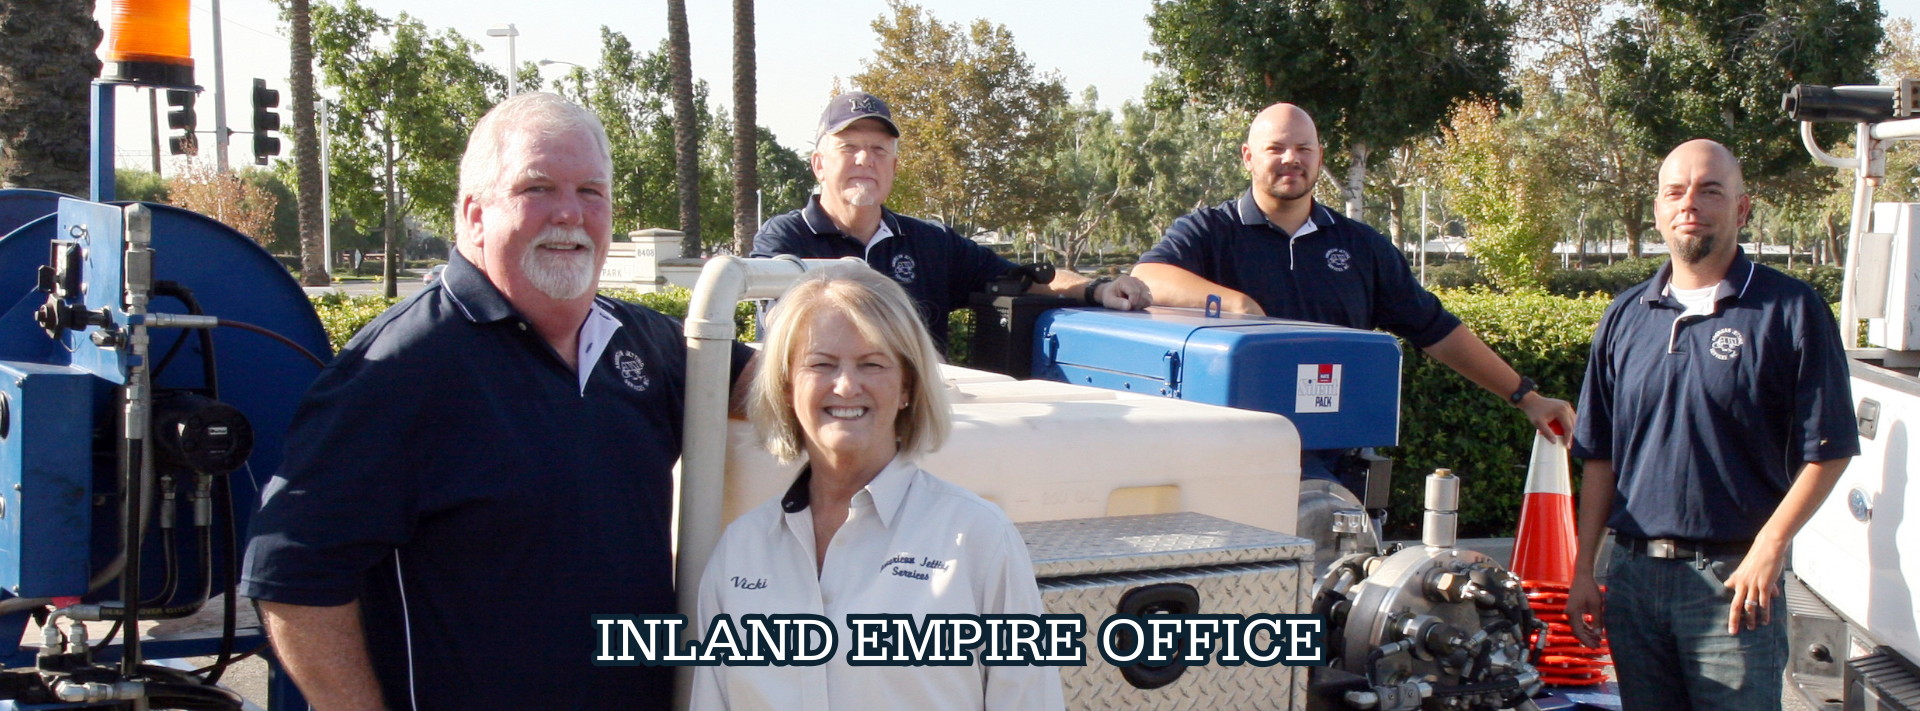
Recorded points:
(1274, 251)
(1715, 417)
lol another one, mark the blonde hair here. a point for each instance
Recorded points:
(883, 314)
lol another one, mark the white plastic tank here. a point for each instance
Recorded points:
(1043, 450)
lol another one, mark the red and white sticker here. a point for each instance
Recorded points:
(1318, 388)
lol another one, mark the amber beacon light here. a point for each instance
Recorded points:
(148, 44)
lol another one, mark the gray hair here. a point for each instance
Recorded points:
(537, 112)
(885, 316)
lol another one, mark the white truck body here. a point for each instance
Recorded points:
(1854, 642)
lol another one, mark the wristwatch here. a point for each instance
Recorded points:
(1093, 287)
(1520, 393)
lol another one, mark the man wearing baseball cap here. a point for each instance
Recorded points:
(855, 153)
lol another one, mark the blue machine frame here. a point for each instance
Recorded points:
(1339, 386)
(56, 396)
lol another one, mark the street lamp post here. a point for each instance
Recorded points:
(513, 70)
(551, 62)
(326, 186)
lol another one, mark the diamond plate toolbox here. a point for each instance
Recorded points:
(1086, 567)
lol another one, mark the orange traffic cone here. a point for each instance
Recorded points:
(1544, 547)
(1543, 552)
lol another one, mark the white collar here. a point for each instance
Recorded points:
(880, 233)
(595, 333)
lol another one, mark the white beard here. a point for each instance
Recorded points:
(861, 195)
(561, 275)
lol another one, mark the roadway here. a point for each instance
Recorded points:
(373, 287)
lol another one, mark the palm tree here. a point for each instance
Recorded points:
(746, 163)
(686, 138)
(46, 65)
(306, 147)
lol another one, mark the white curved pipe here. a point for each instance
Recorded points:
(1865, 175)
(1897, 130)
(724, 282)
(1820, 155)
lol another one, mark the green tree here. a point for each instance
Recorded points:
(785, 178)
(1373, 73)
(245, 205)
(1609, 168)
(1126, 177)
(632, 93)
(408, 99)
(1900, 58)
(1682, 69)
(975, 116)
(1191, 158)
(1498, 179)
(46, 62)
(283, 229)
(139, 185)
(1094, 175)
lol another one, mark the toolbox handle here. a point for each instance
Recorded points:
(1156, 599)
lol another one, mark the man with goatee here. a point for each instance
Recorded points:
(1715, 417)
(1274, 251)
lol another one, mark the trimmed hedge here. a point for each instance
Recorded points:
(1616, 277)
(345, 315)
(1447, 421)
(673, 301)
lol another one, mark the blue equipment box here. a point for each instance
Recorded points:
(1339, 386)
(46, 479)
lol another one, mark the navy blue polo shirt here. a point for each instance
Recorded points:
(451, 473)
(1708, 418)
(1342, 273)
(938, 267)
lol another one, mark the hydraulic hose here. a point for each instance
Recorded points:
(191, 697)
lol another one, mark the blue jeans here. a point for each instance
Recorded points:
(1667, 624)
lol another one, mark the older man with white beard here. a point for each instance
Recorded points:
(855, 153)
(489, 463)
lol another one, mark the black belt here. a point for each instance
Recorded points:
(1681, 548)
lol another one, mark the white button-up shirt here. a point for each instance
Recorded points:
(764, 564)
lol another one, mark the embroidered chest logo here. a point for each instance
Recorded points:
(1726, 344)
(1337, 259)
(915, 567)
(632, 370)
(903, 268)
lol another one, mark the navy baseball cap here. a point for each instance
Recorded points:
(852, 106)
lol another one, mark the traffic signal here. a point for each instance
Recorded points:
(180, 116)
(265, 121)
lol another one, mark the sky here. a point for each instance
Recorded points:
(802, 48)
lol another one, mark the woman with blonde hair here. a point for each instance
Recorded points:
(849, 383)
